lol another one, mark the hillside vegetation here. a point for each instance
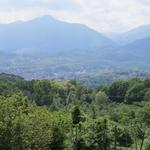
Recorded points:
(67, 115)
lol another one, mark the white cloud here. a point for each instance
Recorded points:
(114, 15)
(102, 15)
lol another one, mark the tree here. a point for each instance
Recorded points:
(135, 93)
(99, 138)
(124, 138)
(144, 115)
(12, 109)
(57, 139)
(141, 134)
(147, 83)
(101, 99)
(147, 95)
(42, 94)
(76, 118)
(117, 91)
(76, 115)
(147, 146)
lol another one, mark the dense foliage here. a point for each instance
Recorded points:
(67, 115)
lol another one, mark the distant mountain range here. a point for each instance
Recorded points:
(132, 35)
(139, 47)
(46, 34)
(46, 47)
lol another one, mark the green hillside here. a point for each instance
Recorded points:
(67, 115)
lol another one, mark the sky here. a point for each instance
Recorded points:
(101, 15)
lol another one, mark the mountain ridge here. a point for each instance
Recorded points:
(47, 33)
(132, 35)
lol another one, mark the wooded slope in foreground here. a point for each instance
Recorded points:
(57, 115)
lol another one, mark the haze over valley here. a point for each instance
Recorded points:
(45, 47)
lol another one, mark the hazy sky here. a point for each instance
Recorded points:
(102, 15)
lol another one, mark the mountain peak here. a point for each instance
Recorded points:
(46, 18)
(49, 34)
